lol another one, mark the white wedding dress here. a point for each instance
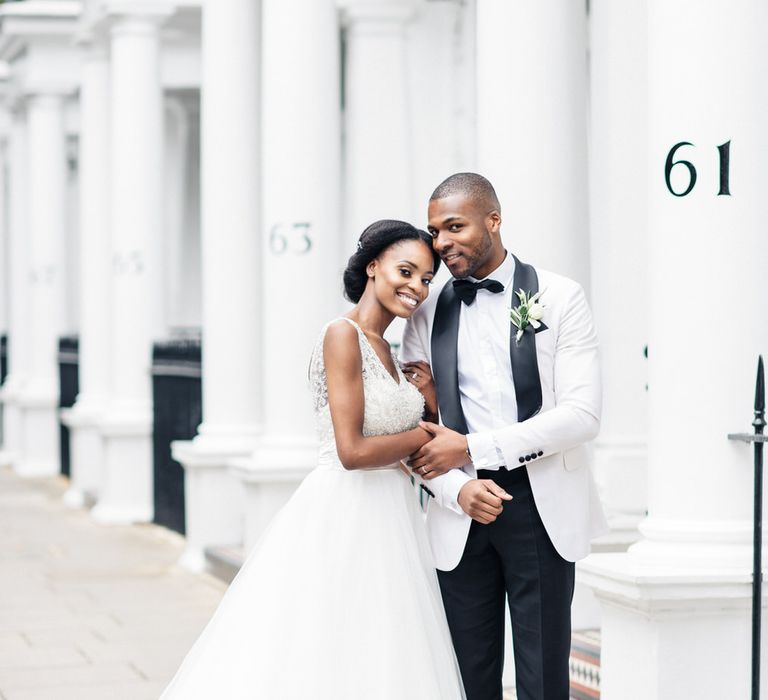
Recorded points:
(339, 600)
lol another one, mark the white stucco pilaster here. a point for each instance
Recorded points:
(300, 250)
(136, 218)
(231, 276)
(686, 583)
(532, 127)
(93, 286)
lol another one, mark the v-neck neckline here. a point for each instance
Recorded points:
(399, 374)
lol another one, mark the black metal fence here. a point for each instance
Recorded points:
(177, 394)
(69, 385)
(3, 357)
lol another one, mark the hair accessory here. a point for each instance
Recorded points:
(359, 245)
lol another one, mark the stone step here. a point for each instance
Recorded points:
(224, 562)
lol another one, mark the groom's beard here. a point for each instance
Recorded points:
(474, 258)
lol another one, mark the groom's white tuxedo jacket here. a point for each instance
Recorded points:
(554, 375)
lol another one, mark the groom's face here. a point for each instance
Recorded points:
(463, 234)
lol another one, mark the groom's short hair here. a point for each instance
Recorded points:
(471, 185)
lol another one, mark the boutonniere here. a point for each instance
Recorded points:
(530, 312)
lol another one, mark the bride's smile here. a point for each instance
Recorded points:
(400, 277)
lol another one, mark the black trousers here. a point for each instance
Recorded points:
(512, 557)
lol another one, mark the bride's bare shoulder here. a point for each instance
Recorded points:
(341, 340)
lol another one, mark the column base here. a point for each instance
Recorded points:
(12, 421)
(213, 496)
(119, 514)
(672, 631)
(86, 452)
(125, 493)
(270, 476)
(621, 473)
(39, 418)
(77, 499)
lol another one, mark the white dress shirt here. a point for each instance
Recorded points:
(486, 389)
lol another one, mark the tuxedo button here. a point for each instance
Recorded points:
(522, 459)
(533, 456)
(540, 453)
(527, 458)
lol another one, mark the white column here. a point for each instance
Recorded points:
(231, 255)
(670, 602)
(378, 167)
(532, 127)
(18, 292)
(618, 242)
(86, 449)
(302, 154)
(47, 219)
(136, 139)
(4, 286)
(5, 269)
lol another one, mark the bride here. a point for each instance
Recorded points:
(339, 599)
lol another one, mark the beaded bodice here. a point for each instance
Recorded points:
(390, 407)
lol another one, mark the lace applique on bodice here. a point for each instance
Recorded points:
(389, 407)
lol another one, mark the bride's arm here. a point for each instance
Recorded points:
(346, 398)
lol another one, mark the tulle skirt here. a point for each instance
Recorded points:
(339, 600)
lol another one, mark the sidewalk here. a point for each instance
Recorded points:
(90, 612)
(87, 611)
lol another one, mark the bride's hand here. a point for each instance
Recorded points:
(420, 375)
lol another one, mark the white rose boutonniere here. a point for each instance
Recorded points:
(530, 312)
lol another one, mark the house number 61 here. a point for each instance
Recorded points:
(724, 151)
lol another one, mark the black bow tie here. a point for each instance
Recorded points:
(467, 291)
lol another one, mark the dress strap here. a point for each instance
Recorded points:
(349, 320)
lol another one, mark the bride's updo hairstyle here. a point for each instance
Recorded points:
(379, 236)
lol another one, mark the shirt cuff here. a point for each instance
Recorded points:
(484, 450)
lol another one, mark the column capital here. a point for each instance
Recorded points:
(128, 17)
(377, 12)
(92, 41)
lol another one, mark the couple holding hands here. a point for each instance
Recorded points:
(352, 593)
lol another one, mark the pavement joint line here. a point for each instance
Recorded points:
(141, 673)
(82, 653)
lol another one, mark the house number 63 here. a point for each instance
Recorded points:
(290, 238)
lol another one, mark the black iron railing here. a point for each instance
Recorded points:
(69, 381)
(758, 439)
(3, 357)
(177, 394)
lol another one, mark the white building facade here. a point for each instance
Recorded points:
(169, 165)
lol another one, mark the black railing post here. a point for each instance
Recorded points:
(758, 439)
(69, 383)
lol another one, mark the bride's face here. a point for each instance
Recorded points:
(401, 276)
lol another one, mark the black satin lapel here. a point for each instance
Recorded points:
(525, 365)
(445, 370)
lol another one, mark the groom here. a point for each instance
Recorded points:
(518, 388)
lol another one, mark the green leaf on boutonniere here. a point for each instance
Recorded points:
(529, 312)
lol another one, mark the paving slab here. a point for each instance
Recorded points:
(90, 611)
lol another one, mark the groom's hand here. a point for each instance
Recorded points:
(482, 500)
(447, 450)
